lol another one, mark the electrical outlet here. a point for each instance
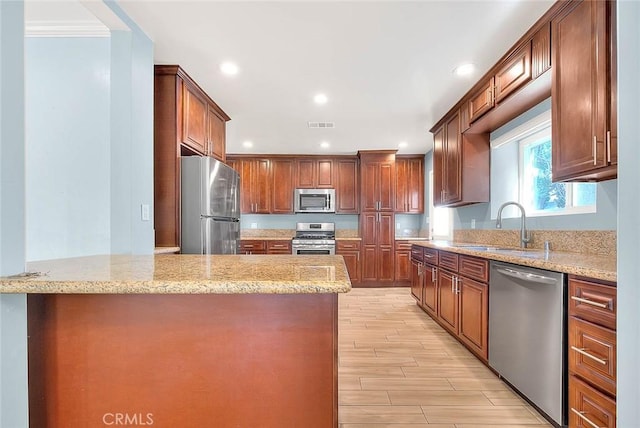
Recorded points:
(145, 213)
(397, 225)
(254, 225)
(473, 223)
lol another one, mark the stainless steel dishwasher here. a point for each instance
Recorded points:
(527, 334)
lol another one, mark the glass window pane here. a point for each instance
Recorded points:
(584, 194)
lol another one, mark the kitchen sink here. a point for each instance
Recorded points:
(503, 250)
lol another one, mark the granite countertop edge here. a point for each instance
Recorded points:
(585, 265)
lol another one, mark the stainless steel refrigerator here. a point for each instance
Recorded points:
(210, 206)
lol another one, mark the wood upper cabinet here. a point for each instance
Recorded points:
(482, 100)
(513, 73)
(541, 51)
(378, 181)
(183, 125)
(460, 165)
(255, 185)
(314, 173)
(347, 186)
(216, 141)
(377, 232)
(194, 128)
(410, 185)
(584, 140)
(282, 185)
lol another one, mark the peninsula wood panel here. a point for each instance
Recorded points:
(183, 360)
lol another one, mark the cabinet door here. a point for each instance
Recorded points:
(369, 234)
(370, 182)
(579, 90)
(474, 315)
(415, 186)
(447, 301)
(194, 121)
(430, 299)
(417, 281)
(216, 136)
(402, 184)
(324, 174)
(438, 166)
(515, 73)
(352, 262)
(482, 101)
(452, 191)
(386, 250)
(541, 51)
(306, 173)
(612, 137)
(386, 191)
(282, 173)
(403, 265)
(347, 190)
(261, 186)
(244, 169)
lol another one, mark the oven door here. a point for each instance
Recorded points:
(314, 250)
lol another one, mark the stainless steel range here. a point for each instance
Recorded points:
(314, 238)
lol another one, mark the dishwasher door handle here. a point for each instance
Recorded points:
(531, 277)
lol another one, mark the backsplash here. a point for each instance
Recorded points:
(602, 242)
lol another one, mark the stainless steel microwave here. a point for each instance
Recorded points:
(314, 200)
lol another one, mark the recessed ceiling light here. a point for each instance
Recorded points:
(320, 99)
(324, 145)
(229, 68)
(465, 69)
(247, 144)
(402, 144)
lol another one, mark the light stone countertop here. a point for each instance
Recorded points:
(183, 274)
(588, 265)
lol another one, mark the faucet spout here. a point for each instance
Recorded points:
(525, 236)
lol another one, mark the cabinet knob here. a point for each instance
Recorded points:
(595, 150)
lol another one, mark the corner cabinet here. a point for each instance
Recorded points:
(584, 113)
(460, 165)
(185, 122)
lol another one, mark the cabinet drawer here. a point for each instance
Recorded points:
(416, 253)
(448, 260)
(593, 302)
(347, 245)
(403, 245)
(592, 354)
(589, 408)
(252, 245)
(279, 247)
(475, 268)
(430, 256)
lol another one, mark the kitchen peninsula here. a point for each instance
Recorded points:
(183, 340)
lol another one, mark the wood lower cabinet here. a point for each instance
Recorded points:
(454, 291)
(403, 262)
(592, 353)
(350, 251)
(377, 232)
(409, 184)
(347, 185)
(584, 62)
(186, 121)
(279, 247)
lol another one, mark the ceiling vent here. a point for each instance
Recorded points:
(321, 125)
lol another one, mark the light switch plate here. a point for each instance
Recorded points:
(145, 213)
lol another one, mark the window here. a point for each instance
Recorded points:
(538, 194)
(521, 171)
(440, 218)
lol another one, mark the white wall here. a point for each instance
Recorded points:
(628, 209)
(68, 164)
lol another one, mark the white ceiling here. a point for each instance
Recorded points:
(386, 66)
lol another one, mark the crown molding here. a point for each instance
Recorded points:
(65, 29)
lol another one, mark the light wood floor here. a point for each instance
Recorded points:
(398, 368)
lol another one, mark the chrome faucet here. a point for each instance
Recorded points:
(525, 236)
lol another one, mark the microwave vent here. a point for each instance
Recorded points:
(321, 125)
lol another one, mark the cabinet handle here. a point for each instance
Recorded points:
(453, 283)
(590, 302)
(489, 96)
(582, 351)
(458, 281)
(584, 418)
(595, 150)
(608, 146)
(434, 279)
